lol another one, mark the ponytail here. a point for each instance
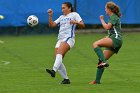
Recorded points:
(114, 8)
(72, 9)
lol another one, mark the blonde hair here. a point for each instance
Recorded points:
(114, 8)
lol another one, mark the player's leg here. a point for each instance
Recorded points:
(63, 73)
(108, 54)
(63, 49)
(60, 52)
(63, 46)
(99, 73)
(105, 42)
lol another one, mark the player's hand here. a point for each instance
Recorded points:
(50, 12)
(101, 17)
(73, 22)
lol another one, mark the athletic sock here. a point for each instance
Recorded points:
(100, 54)
(58, 62)
(99, 74)
(62, 71)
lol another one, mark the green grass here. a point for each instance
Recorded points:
(30, 55)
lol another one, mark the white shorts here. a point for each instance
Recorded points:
(70, 41)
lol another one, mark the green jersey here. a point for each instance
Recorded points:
(115, 30)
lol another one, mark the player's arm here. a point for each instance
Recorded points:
(78, 21)
(51, 22)
(105, 25)
(80, 24)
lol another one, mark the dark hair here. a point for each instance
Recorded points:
(69, 5)
(114, 8)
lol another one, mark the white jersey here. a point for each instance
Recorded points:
(66, 29)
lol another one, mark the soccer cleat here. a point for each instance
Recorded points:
(65, 81)
(99, 61)
(102, 64)
(94, 82)
(51, 72)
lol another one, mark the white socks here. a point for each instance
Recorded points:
(58, 62)
(58, 65)
(62, 71)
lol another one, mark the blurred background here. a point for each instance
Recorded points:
(17, 11)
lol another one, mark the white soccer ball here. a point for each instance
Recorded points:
(1, 17)
(32, 20)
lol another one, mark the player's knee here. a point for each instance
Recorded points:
(60, 52)
(95, 44)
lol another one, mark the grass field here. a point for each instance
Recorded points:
(23, 60)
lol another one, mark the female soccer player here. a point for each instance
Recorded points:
(112, 42)
(66, 37)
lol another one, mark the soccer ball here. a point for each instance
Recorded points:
(1, 17)
(32, 20)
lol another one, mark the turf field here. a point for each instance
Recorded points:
(23, 60)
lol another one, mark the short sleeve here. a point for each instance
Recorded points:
(112, 21)
(77, 17)
(57, 21)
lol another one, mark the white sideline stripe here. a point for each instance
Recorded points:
(5, 62)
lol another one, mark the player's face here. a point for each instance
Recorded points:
(65, 9)
(107, 10)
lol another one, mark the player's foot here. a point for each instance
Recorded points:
(102, 64)
(65, 81)
(94, 82)
(51, 72)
